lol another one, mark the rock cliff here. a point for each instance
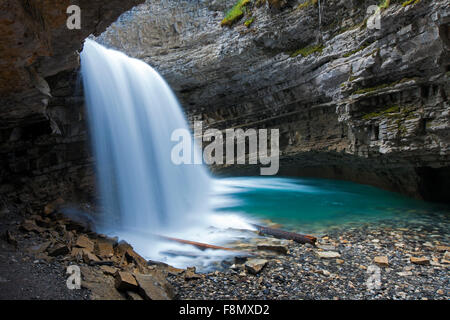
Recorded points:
(352, 100)
(43, 138)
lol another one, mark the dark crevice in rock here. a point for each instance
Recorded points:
(434, 183)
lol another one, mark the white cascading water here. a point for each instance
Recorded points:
(132, 113)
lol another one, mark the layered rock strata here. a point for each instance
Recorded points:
(351, 101)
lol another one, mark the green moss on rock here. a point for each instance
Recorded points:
(410, 2)
(235, 13)
(384, 4)
(306, 51)
(389, 110)
(248, 22)
(381, 86)
(372, 89)
(306, 4)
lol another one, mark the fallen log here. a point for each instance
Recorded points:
(277, 233)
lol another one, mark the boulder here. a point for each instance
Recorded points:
(254, 266)
(121, 248)
(58, 250)
(174, 271)
(89, 257)
(381, 261)
(111, 271)
(190, 274)
(77, 253)
(125, 250)
(104, 249)
(136, 258)
(125, 281)
(154, 286)
(101, 286)
(278, 248)
(84, 242)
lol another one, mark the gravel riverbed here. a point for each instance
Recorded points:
(368, 261)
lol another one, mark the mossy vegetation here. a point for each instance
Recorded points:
(248, 22)
(306, 51)
(372, 89)
(401, 113)
(387, 111)
(410, 2)
(384, 4)
(235, 13)
(380, 87)
(306, 4)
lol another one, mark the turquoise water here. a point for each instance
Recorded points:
(313, 205)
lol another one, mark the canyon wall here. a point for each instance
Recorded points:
(43, 149)
(351, 101)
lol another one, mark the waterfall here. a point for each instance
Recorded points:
(132, 113)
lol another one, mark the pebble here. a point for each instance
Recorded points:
(328, 254)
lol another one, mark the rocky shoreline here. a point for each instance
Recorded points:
(384, 260)
(411, 265)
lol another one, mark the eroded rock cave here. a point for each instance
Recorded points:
(351, 102)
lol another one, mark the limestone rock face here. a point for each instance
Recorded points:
(36, 44)
(351, 101)
(43, 138)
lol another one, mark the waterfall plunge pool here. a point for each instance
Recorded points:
(306, 205)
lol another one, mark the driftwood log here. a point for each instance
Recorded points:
(277, 233)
